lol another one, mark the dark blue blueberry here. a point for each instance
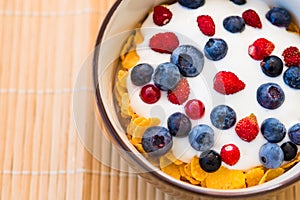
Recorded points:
(201, 137)
(210, 161)
(193, 4)
(223, 117)
(294, 133)
(157, 141)
(141, 74)
(234, 24)
(273, 130)
(279, 17)
(166, 76)
(270, 96)
(291, 77)
(215, 49)
(189, 60)
(271, 155)
(289, 150)
(179, 124)
(239, 2)
(272, 66)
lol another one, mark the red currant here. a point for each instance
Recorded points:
(150, 94)
(230, 154)
(194, 109)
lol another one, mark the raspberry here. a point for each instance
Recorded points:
(227, 83)
(251, 18)
(230, 154)
(180, 93)
(164, 42)
(260, 49)
(291, 56)
(247, 128)
(206, 25)
(161, 15)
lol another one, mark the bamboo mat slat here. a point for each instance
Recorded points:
(44, 47)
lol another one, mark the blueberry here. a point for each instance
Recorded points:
(215, 49)
(210, 161)
(201, 137)
(223, 117)
(141, 74)
(272, 66)
(279, 17)
(270, 155)
(193, 4)
(294, 133)
(289, 150)
(291, 77)
(166, 76)
(234, 24)
(273, 130)
(179, 124)
(270, 96)
(239, 2)
(157, 141)
(189, 60)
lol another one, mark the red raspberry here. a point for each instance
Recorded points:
(291, 56)
(206, 25)
(150, 94)
(161, 15)
(247, 128)
(181, 92)
(251, 18)
(260, 49)
(164, 42)
(230, 154)
(194, 109)
(227, 83)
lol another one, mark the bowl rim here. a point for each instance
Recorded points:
(117, 140)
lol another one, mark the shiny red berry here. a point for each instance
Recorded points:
(161, 15)
(194, 108)
(230, 154)
(150, 94)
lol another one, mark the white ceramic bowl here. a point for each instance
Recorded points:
(117, 26)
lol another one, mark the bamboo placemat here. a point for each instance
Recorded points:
(44, 48)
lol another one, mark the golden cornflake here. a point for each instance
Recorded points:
(197, 172)
(172, 170)
(271, 174)
(254, 175)
(130, 60)
(173, 159)
(189, 176)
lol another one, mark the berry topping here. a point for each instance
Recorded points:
(164, 42)
(247, 128)
(189, 60)
(291, 56)
(161, 15)
(239, 2)
(230, 154)
(180, 93)
(270, 96)
(206, 25)
(234, 24)
(166, 76)
(272, 66)
(223, 117)
(141, 74)
(273, 130)
(260, 49)
(251, 18)
(291, 77)
(157, 141)
(279, 17)
(150, 94)
(194, 108)
(289, 150)
(215, 49)
(179, 124)
(271, 155)
(201, 137)
(294, 133)
(210, 161)
(227, 83)
(192, 4)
